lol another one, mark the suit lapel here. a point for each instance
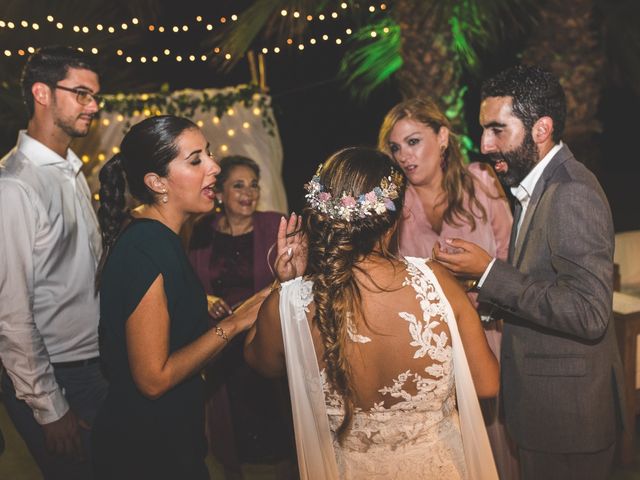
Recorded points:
(559, 158)
(517, 212)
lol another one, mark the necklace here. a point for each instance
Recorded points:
(226, 227)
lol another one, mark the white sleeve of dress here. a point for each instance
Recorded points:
(314, 443)
(477, 450)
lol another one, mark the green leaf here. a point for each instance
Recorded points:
(371, 61)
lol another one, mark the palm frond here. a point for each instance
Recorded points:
(478, 25)
(264, 18)
(371, 60)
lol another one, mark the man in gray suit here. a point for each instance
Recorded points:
(561, 371)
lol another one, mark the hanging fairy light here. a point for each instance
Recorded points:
(151, 57)
(198, 19)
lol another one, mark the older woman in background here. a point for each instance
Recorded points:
(446, 199)
(247, 415)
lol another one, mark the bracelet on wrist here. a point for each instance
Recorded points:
(222, 334)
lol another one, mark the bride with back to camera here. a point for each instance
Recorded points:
(379, 350)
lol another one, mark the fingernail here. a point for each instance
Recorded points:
(448, 240)
(289, 251)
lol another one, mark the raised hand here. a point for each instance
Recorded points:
(292, 249)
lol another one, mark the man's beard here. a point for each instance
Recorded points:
(520, 161)
(68, 128)
(67, 124)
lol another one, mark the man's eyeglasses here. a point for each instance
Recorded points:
(83, 97)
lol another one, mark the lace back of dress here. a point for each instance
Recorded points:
(401, 358)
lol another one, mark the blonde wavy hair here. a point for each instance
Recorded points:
(457, 182)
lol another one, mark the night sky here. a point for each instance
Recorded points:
(315, 114)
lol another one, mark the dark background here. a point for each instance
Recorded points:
(315, 114)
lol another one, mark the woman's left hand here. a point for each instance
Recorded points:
(292, 249)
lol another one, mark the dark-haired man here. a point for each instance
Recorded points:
(561, 371)
(49, 249)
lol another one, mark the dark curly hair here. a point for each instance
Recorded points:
(49, 65)
(535, 93)
(335, 248)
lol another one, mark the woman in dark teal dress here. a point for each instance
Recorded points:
(153, 326)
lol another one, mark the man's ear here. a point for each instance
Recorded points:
(155, 183)
(41, 93)
(542, 131)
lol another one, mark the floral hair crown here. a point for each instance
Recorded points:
(347, 207)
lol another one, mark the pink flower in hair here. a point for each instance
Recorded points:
(348, 201)
(370, 197)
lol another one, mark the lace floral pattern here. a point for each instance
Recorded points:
(422, 428)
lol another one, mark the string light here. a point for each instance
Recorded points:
(299, 46)
(198, 19)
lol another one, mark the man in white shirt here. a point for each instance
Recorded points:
(560, 366)
(49, 249)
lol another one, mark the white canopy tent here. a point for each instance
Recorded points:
(244, 128)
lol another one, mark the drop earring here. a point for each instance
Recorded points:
(165, 197)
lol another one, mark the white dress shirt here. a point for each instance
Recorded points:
(49, 249)
(523, 194)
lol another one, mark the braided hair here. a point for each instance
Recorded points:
(336, 246)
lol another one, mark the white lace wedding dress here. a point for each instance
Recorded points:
(406, 425)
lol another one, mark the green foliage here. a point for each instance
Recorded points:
(478, 25)
(186, 105)
(371, 61)
(263, 16)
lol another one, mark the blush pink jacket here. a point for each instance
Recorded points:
(417, 238)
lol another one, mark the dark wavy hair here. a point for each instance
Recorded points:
(49, 65)
(335, 249)
(457, 181)
(535, 93)
(148, 147)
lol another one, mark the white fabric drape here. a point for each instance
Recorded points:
(240, 132)
(314, 443)
(477, 450)
(316, 458)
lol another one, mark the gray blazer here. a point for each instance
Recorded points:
(561, 370)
